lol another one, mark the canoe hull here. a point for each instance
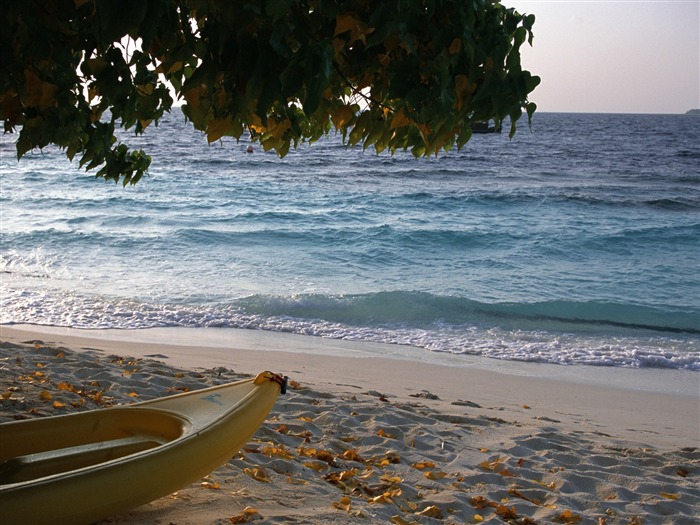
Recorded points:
(158, 447)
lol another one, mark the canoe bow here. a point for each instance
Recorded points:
(81, 467)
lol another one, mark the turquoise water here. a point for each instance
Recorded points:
(575, 243)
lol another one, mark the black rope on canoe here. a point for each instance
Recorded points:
(281, 381)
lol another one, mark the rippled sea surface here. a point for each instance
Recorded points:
(576, 242)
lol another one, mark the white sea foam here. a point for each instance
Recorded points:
(603, 349)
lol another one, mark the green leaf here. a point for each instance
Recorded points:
(292, 78)
(318, 69)
(277, 8)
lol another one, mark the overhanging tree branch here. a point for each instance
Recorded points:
(425, 68)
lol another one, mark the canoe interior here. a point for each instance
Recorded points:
(38, 448)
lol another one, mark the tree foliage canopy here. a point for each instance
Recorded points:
(400, 74)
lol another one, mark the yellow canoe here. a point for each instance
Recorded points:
(79, 468)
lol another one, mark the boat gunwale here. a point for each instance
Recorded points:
(189, 433)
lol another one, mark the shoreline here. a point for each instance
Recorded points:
(629, 401)
(219, 341)
(371, 439)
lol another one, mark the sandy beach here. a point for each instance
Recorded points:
(364, 436)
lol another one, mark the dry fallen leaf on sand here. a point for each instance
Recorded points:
(567, 517)
(257, 474)
(249, 514)
(432, 511)
(344, 504)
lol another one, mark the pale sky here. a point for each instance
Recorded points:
(614, 56)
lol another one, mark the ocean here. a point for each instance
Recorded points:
(576, 243)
